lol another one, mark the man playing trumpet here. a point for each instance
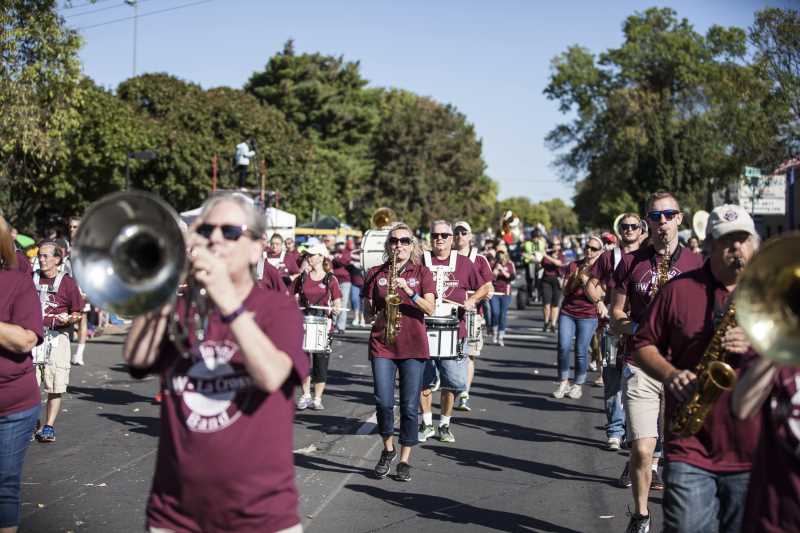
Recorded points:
(711, 466)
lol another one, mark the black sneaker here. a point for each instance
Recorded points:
(638, 524)
(625, 477)
(403, 472)
(385, 463)
(656, 483)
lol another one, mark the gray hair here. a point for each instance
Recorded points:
(253, 217)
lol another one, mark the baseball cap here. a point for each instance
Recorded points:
(462, 224)
(729, 218)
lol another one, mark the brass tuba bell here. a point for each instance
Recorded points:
(768, 300)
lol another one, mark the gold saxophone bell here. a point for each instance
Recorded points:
(768, 300)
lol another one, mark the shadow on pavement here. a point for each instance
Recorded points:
(145, 425)
(448, 510)
(108, 396)
(495, 462)
(532, 434)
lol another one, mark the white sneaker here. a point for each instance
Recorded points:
(562, 389)
(575, 392)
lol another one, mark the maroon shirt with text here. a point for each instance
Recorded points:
(19, 305)
(68, 299)
(412, 339)
(502, 283)
(225, 458)
(464, 278)
(576, 304)
(680, 323)
(773, 500)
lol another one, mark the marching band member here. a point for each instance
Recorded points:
(552, 261)
(503, 273)
(773, 497)
(578, 321)
(225, 452)
(462, 239)
(62, 307)
(709, 470)
(454, 275)
(413, 283)
(319, 288)
(637, 279)
(599, 289)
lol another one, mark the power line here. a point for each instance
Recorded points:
(73, 15)
(149, 13)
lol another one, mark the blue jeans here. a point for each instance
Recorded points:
(699, 501)
(15, 435)
(568, 327)
(355, 298)
(612, 390)
(500, 305)
(383, 375)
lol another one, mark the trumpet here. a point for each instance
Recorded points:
(129, 258)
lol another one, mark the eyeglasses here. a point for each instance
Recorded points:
(629, 227)
(460, 231)
(593, 249)
(230, 232)
(669, 214)
(442, 236)
(405, 241)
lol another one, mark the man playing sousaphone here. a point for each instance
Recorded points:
(687, 327)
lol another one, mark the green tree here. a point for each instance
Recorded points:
(39, 74)
(428, 164)
(669, 109)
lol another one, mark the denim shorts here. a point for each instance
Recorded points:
(452, 373)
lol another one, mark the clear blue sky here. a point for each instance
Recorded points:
(491, 59)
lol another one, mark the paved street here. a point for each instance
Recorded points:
(522, 460)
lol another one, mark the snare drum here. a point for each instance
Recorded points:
(473, 323)
(442, 336)
(315, 334)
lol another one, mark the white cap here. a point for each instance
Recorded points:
(729, 218)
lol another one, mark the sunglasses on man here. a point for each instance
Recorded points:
(230, 232)
(442, 236)
(669, 214)
(405, 241)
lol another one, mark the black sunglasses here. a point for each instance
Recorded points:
(592, 248)
(230, 232)
(629, 227)
(460, 231)
(405, 241)
(443, 236)
(669, 214)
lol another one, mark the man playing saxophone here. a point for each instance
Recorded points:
(706, 473)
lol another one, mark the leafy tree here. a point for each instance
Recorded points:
(669, 109)
(39, 74)
(428, 164)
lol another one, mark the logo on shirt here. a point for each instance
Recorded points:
(212, 390)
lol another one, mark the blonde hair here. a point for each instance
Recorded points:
(416, 248)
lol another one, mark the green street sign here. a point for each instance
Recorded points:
(752, 172)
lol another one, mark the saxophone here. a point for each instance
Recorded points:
(714, 376)
(392, 304)
(662, 277)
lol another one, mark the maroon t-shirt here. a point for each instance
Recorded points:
(576, 304)
(549, 268)
(23, 263)
(412, 339)
(271, 279)
(502, 283)
(19, 305)
(773, 500)
(341, 260)
(317, 292)
(680, 323)
(68, 299)
(464, 278)
(225, 454)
